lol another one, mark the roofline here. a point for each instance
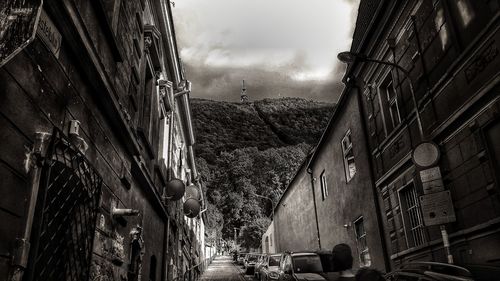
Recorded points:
(330, 125)
(304, 162)
(351, 67)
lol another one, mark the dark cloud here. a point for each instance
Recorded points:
(281, 48)
(221, 83)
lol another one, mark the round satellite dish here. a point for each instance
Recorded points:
(175, 189)
(191, 207)
(426, 154)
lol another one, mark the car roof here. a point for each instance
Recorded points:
(443, 268)
(303, 254)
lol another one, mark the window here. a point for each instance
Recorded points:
(412, 216)
(307, 264)
(364, 255)
(393, 105)
(324, 186)
(465, 11)
(441, 27)
(389, 94)
(349, 165)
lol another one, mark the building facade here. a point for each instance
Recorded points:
(95, 121)
(294, 219)
(447, 95)
(331, 199)
(344, 196)
(268, 243)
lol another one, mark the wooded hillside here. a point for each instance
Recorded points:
(248, 149)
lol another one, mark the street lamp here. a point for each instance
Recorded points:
(350, 57)
(271, 200)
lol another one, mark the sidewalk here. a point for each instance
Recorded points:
(222, 269)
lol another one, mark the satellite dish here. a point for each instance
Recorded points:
(192, 191)
(175, 189)
(191, 207)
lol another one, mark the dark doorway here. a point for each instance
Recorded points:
(66, 212)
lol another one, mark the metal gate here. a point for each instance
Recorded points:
(66, 212)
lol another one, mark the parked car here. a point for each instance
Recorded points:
(241, 258)
(250, 261)
(258, 265)
(269, 269)
(443, 271)
(302, 266)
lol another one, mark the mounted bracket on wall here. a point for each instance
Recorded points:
(186, 88)
(118, 214)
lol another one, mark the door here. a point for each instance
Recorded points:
(65, 218)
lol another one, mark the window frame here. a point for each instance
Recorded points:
(387, 103)
(324, 185)
(393, 102)
(345, 152)
(362, 250)
(409, 229)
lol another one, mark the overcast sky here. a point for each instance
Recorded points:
(280, 47)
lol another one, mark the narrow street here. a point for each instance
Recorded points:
(222, 268)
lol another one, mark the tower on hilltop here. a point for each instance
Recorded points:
(243, 95)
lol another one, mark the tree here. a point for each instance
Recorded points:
(251, 234)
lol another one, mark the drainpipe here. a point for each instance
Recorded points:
(196, 178)
(34, 165)
(166, 238)
(310, 172)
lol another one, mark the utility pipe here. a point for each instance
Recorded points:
(34, 166)
(310, 172)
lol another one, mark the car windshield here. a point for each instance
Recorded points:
(307, 264)
(253, 258)
(274, 260)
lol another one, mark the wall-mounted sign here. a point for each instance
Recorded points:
(431, 180)
(49, 34)
(426, 154)
(437, 208)
(18, 21)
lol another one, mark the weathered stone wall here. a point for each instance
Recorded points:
(97, 77)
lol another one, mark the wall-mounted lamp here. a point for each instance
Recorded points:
(74, 134)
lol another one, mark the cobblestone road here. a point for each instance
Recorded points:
(223, 269)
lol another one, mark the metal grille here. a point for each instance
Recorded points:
(69, 207)
(413, 216)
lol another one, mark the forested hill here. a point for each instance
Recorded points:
(224, 126)
(252, 148)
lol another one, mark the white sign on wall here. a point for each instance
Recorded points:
(431, 180)
(437, 208)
